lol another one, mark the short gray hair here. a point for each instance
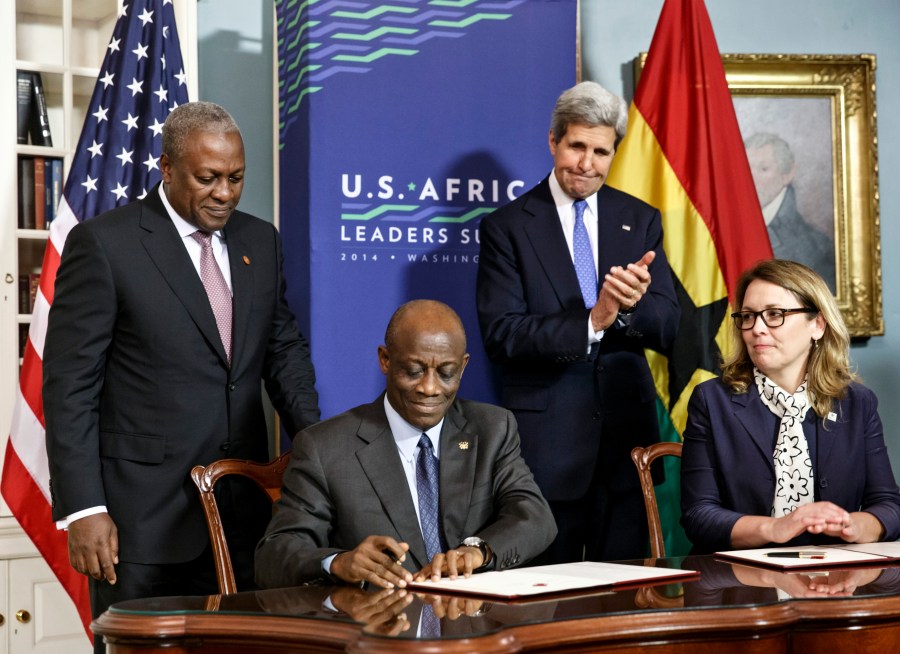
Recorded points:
(782, 151)
(194, 117)
(590, 104)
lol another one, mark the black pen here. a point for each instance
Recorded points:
(393, 557)
(796, 555)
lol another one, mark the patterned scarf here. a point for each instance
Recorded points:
(793, 468)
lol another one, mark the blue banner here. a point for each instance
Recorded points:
(402, 125)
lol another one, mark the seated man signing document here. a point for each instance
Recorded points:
(416, 483)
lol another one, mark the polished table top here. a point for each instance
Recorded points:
(725, 596)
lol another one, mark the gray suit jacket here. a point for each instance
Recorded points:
(345, 482)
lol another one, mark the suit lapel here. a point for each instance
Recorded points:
(827, 437)
(751, 413)
(546, 237)
(241, 265)
(164, 246)
(615, 227)
(459, 449)
(380, 462)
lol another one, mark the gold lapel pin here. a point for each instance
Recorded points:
(246, 260)
(464, 445)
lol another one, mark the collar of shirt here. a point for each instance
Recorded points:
(407, 436)
(771, 210)
(185, 229)
(566, 212)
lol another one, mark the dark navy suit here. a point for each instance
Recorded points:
(137, 387)
(727, 469)
(580, 413)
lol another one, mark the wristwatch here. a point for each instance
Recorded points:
(475, 541)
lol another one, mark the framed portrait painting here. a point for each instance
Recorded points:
(809, 131)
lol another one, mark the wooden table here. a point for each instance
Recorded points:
(731, 607)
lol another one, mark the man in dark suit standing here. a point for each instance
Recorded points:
(574, 371)
(416, 482)
(168, 313)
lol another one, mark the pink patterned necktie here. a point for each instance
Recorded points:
(216, 288)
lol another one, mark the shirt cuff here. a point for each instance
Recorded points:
(593, 337)
(326, 563)
(84, 513)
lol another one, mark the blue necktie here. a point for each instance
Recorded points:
(427, 484)
(430, 624)
(584, 258)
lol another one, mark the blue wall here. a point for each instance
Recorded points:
(236, 60)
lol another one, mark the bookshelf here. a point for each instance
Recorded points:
(64, 41)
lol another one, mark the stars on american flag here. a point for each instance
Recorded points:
(141, 51)
(130, 122)
(125, 156)
(142, 79)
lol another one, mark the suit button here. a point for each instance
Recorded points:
(224, 447)
(596, 415)
(232, 386)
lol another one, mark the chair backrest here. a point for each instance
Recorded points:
(266, 475)
(643, 457)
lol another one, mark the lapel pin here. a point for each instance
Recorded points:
(246, 260)
(627, 228)
(832, 416)
(464, 445)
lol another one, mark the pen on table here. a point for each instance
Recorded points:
(796, 555)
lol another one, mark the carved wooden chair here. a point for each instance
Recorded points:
(266, 475)
(643, 457)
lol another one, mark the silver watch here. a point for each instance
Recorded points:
(475, 541)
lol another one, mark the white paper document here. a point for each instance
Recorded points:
(812, 556)
(538, 580)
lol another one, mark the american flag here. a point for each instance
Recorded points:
(116, 161)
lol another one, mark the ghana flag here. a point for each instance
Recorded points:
(684, 155)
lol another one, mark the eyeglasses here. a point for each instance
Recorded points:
(771, 317)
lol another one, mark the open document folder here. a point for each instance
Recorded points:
(817, 556)
(560, 578)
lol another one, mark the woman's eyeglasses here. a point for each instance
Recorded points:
(771, 317)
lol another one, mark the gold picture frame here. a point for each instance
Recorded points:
(822, 107)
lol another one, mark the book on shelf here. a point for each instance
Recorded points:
(23, 105)
(55, 187)
(26, 193)
(34, 283)
(40, 200)
(40, 119)
(24, 293)
(28, 288)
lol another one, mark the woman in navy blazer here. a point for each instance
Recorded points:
(789, 341)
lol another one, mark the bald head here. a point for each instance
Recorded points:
(424, 315)
(423, 358)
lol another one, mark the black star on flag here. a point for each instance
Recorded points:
(695, 346)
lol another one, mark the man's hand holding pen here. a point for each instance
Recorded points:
(377, 560)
